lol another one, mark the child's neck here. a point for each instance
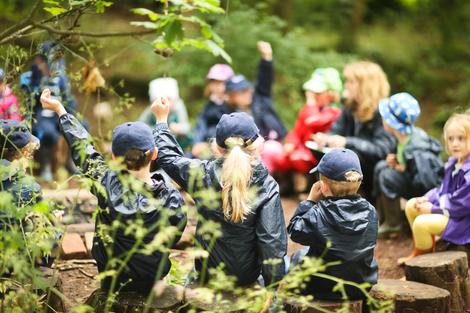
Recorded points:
(462, 160)
(402, 138)
(143, 175)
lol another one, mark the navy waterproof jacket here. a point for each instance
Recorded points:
(243, 247)
(350, 224)
(119, 203)
(207, 121)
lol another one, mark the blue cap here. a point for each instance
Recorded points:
(238, 124)
(132, 135)
(14, 135)
(337, 162)
(3, 76)
(400, 111)
(237, 83)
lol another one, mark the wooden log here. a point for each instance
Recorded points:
(447, 270)
(319, 306)
(204, 299)
(412, 297)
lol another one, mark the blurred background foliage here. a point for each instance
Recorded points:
(423, 45)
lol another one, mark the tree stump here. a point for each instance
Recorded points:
(130, 302)
(205, 300)
(447, 270)
(412, 297)
(319, 306)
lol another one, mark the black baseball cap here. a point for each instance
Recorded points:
(237, 83)
(132, 135)
(14, 135)
(336, 163)
(238, 124)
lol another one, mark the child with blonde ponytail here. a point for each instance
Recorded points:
(247, 204)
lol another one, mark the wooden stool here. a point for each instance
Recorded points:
(411, 297)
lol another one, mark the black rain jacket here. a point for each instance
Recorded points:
(243, 246)
(119, 203)
(350, 224)
(208, 119)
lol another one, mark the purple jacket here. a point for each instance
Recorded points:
(452, 198)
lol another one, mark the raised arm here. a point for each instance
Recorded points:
(170, 155)
(265, 75)
(303, 223)
(84, 154)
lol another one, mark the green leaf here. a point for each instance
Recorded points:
(53, 2)
(55, 10)
(146, 12)
(217, 50)
(208, 6)
(149, 25)
(173, 31)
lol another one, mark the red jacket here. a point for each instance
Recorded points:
(311, 120)
(9, 108)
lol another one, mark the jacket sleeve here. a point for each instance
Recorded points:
(271, 234)
(84, 154)
(303, 223)
(323, 118)
(457, 202)
(264, 81)
(174, 202)
(375, 148)
(339, 127)
(295, 135)
(171, 159)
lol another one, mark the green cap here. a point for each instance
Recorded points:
(324, 79)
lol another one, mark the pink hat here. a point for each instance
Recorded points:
(220, 72)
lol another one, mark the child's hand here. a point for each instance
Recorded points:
(315, 194)
(400, 168)
(321, 139)
(289, 147)
(49, 103)
(265, 50)
(392, 160)
(336, 141)
(161, 109)
(424, 207)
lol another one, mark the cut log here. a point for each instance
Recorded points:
(412, 297)
(319, 306)
(204, 299)
(80, 228)
(168, 300)
(447, 270)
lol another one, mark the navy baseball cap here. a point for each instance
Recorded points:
(14, 135)
(238, 124)
(336, 163)
(132, 135)
(237, 83)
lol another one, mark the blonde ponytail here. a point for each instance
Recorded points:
(235, 179)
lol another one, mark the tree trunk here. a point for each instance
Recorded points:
(412, 297)
(447, 270)
(319, 306)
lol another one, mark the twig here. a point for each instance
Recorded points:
(88, 34)
(86, 273)
(24, 22)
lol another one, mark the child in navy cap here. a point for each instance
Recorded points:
(335, 213)
(235, 191)
(133, 142)
(413, 169)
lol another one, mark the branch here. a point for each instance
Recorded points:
(88, 34)
(23, 23)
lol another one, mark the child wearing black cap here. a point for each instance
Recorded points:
(335, 213)
(134, 143)
(235, 191)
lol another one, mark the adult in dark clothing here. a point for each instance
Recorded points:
(252, 227)
(119, 202)
(213, 110)
(334, 213)
(359, 127)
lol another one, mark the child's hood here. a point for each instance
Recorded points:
(419, 140)
(348, 215)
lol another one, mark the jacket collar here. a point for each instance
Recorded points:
(465, 166)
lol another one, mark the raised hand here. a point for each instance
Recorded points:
(265, 50)
(50, 103)
(161, 109)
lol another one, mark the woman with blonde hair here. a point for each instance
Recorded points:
(359, 126)
(235, 191)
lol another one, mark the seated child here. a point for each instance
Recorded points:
(235, 191)
(9, 107)
(415, 167)
(213, 110)
(134, 143)
(335, 213)
(445, 210)
(18, 147)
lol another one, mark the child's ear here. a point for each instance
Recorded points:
(155, 154)
(324, 187)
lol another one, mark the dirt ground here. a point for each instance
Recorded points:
(78, 283)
